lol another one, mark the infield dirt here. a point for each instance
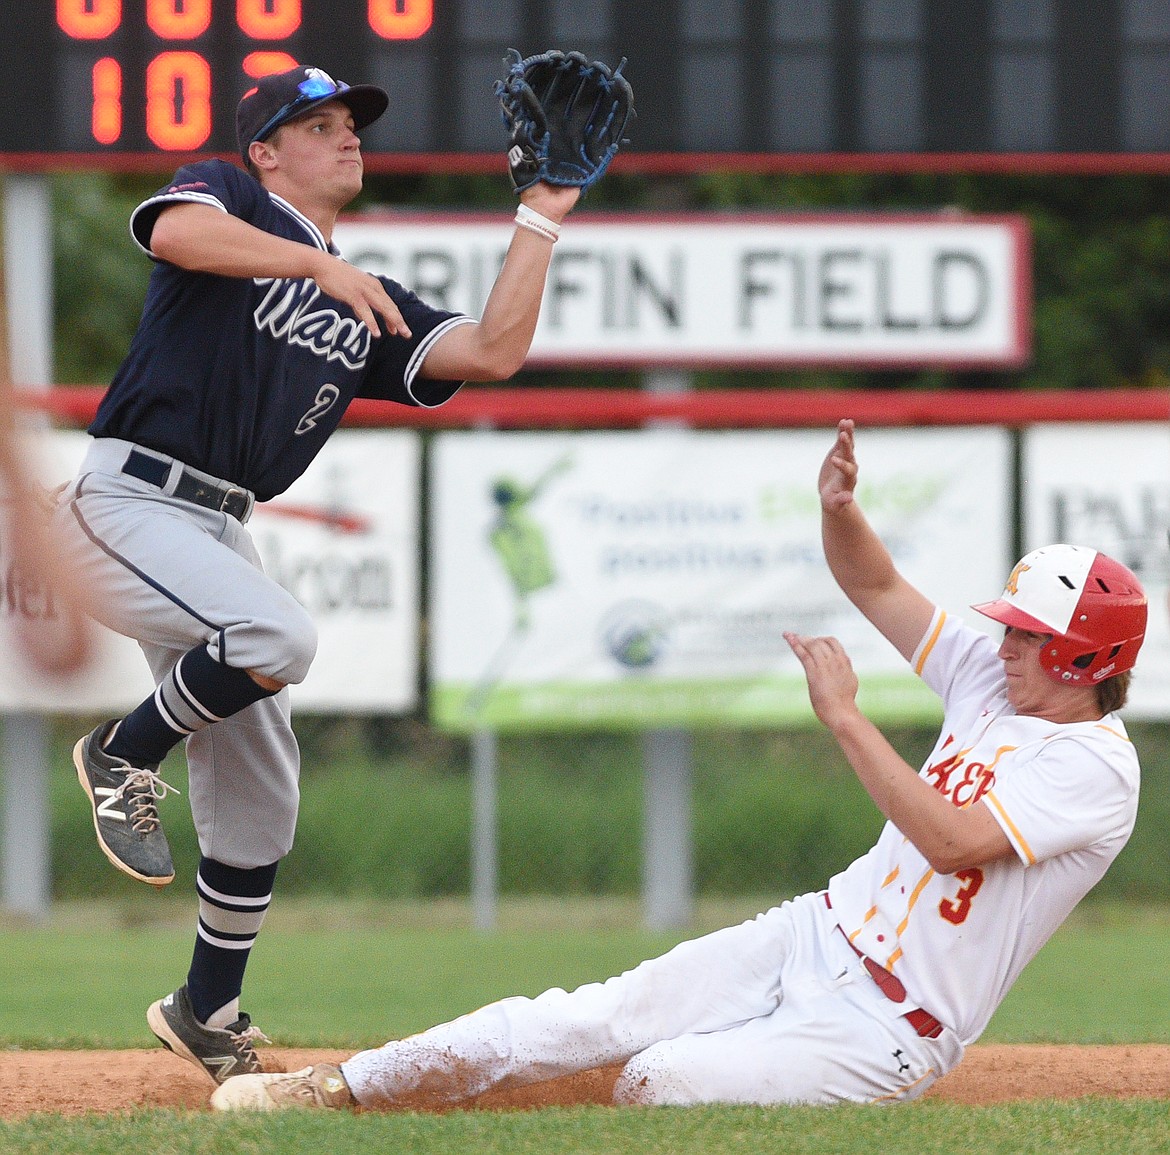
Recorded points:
(75, 1082)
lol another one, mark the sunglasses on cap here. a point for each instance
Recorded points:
(311, 89)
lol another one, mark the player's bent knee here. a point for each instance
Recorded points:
(301, 659)
(295, 644)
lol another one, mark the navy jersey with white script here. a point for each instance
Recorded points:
(246, 378)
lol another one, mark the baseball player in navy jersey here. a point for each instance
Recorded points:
(254, 338)
(869, 990)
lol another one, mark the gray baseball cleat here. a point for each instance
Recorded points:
(321, 1086)
(219, 1053)
(125, 809)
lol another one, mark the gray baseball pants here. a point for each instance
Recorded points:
(174, 575)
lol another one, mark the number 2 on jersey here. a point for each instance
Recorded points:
(326, 395)
(956, 909)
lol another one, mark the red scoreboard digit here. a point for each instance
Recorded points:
(754, 85)
(163, 76)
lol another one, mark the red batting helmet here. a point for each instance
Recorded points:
(1093, 606)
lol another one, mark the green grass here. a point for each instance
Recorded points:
(1102, 978)
(323, 974)
(352, 975)
(1102, 1126)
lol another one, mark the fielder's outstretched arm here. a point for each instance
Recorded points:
(496, 347)
(857, 558)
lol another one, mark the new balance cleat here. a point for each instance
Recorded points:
(219, 1053)
(321, 1086)
(125, 809)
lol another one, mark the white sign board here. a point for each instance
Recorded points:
(644, 579)
(1108, 486)
(742, 290)
(343, 539)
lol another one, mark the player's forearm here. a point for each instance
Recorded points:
(866, 573)
(496, 348)
(948, 837)
(205, 240)
(857, 557)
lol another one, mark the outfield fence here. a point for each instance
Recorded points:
(1095, 466)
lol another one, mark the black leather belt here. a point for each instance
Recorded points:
(229, 499)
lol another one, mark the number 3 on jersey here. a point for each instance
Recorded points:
(326, 395)
(956, 909)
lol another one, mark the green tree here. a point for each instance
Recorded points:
(99, 273)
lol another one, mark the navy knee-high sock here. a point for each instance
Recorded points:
(232, 905)
(197, 692)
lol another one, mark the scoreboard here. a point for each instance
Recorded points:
(119, 83)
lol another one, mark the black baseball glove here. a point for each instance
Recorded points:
(565, 116)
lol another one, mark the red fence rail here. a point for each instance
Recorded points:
(576, 408)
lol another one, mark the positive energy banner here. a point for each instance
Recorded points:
(1108, 487)
(645, 579)
(343, 539)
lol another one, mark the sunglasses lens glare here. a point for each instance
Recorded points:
(317, 86)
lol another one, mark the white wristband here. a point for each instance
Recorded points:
(530, 219)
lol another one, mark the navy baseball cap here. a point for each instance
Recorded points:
(282, 96)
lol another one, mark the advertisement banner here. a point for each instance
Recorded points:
(343, 540)
(1108, 487)
(644, 579)
(747, 289)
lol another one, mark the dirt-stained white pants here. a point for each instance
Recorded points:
(776, 1010)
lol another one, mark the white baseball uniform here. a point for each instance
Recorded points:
(785, 1008)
